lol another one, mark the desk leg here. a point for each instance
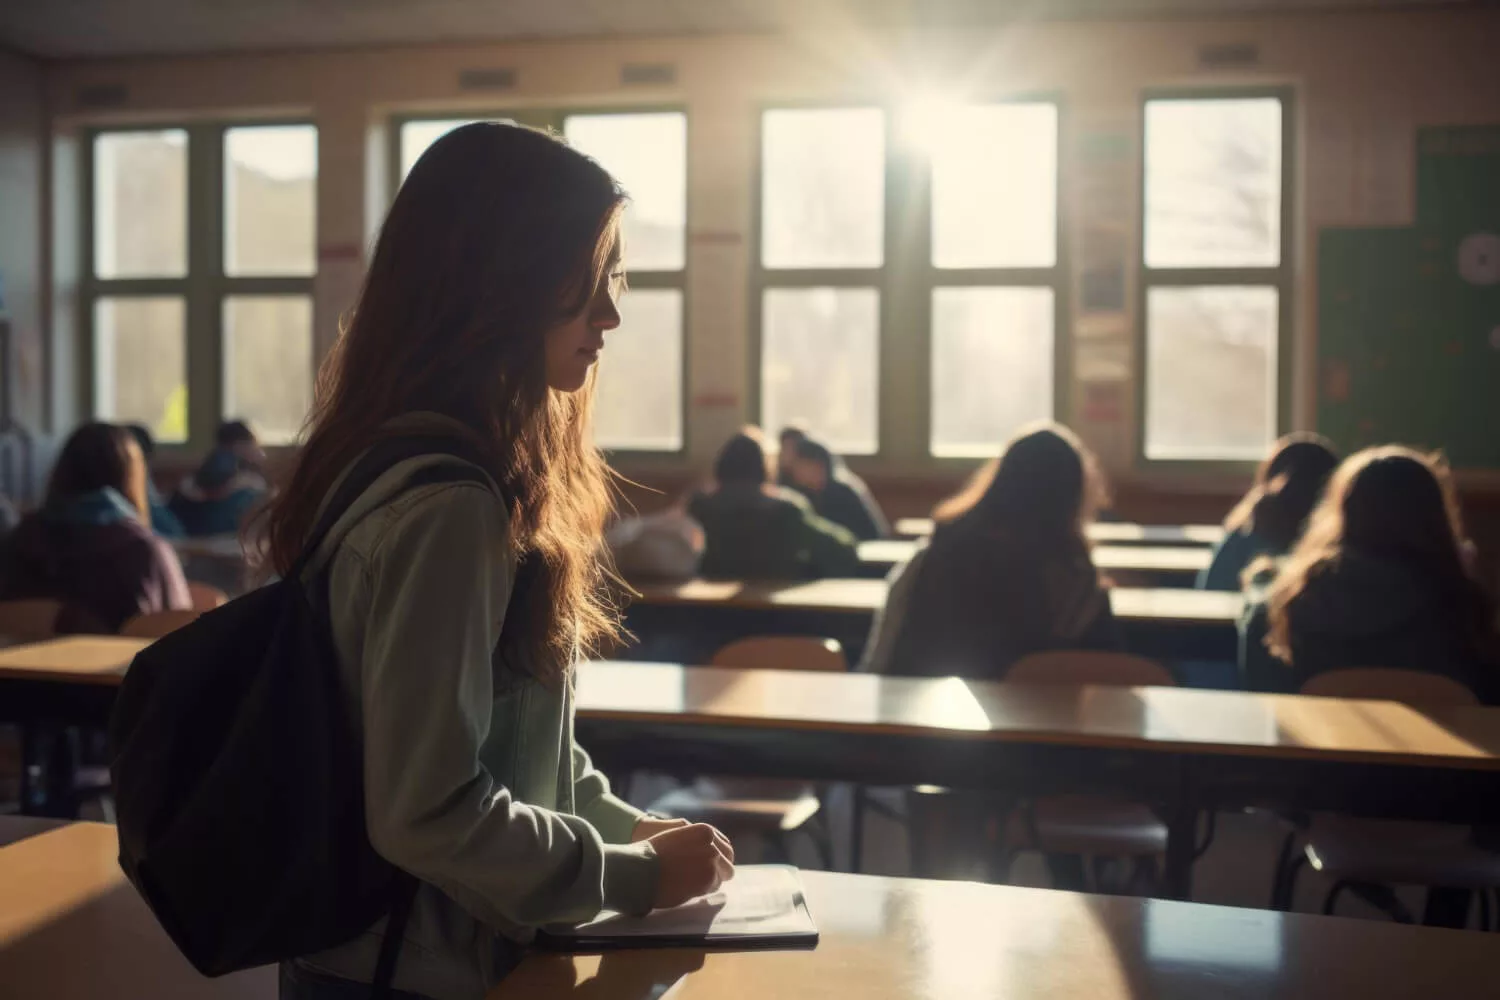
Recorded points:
(1182, 834)
(857, 829)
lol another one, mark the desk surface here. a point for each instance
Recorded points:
(75, 659)
(1113, 532)
(904, 939)
(1159, 719)
(72, 928)
(227, 547)
(868, 596)
(1138, 558)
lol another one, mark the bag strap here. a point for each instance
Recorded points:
(380, 458)
(395, 934)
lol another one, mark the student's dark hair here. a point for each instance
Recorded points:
(233, 432)
(1393, 503)
(791, 435)
(94, 457)
(742, 461)
(1286, 488)
(498, 233)
(143, 438)
(814, 451)
(1043, 488)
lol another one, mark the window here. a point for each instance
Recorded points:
(639, 406)
(1215, 276)
(186, 331)
(963, 301)
(822, 255)
(994, 279)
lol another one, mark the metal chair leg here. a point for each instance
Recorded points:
(1284, 891)
(1484, 911)
(1333, 897)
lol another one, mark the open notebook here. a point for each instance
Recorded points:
(761, 907)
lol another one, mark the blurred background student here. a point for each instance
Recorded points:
(754, 529)
(836, 493)
(163, 521)
(90, 545)
(229, 484)
(1007, 571)
(1380, 579)
(1269, 519)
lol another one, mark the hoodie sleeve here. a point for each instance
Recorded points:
(434, 581)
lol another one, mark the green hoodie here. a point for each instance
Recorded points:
(473, 781)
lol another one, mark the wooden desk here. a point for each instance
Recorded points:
(1174, 564)
(72, 928)
(73, 659)
(1109, 532)
(224, 547)
(900, 939)
(1179, 749)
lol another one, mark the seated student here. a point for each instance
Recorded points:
(791, 436)
(756, 530)
(1379, 579)
(163, 521)
(1007, 571)
(89, 545)
(1269, 519)
(227, 486)
(836, 493)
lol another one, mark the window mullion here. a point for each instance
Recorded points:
(204, 281)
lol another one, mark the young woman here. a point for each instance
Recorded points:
(837, 494)
(755, 530)
(229, 484)
(1007, 571)
(91, 544)
(1269, 519)
(458, 611)
(1380, 579)
(163, 521)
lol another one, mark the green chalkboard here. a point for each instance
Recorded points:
(1409, 319)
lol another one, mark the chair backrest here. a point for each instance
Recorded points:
(782, 652)
(1413, 687)
(206, 597)
(1088, 666)
(30, 620)
(155, 624)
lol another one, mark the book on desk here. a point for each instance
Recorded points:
(762, 907)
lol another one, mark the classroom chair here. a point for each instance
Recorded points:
(1089, 826)
(30, 620)
(771, 809)
(206, 597)
(1367, 856)
(155, 624)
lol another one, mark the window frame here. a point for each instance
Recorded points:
(554, 119)
(905, 282)
(205, 286)
(1281, 277)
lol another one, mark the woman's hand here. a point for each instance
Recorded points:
(695, 859)
(649, 826)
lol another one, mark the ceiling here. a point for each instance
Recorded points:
(89, 28)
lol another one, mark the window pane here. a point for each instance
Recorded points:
(270, 214)
(1213, 183)
(417, 136)
(268, 363)
(639, 402)
(991, 366)
(647, 153)
(1210, 372)
(994, 186)
(823, 188)
(820, 364)
(140, 204)
(140, 363)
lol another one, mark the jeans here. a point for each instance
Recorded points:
(298, 982)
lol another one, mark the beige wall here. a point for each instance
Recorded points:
(22, 135)
(1364, 83)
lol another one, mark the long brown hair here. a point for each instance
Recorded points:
(1394, 503)
(1045, 484)
(98, 456)
(498, 233)
(1286, 488)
